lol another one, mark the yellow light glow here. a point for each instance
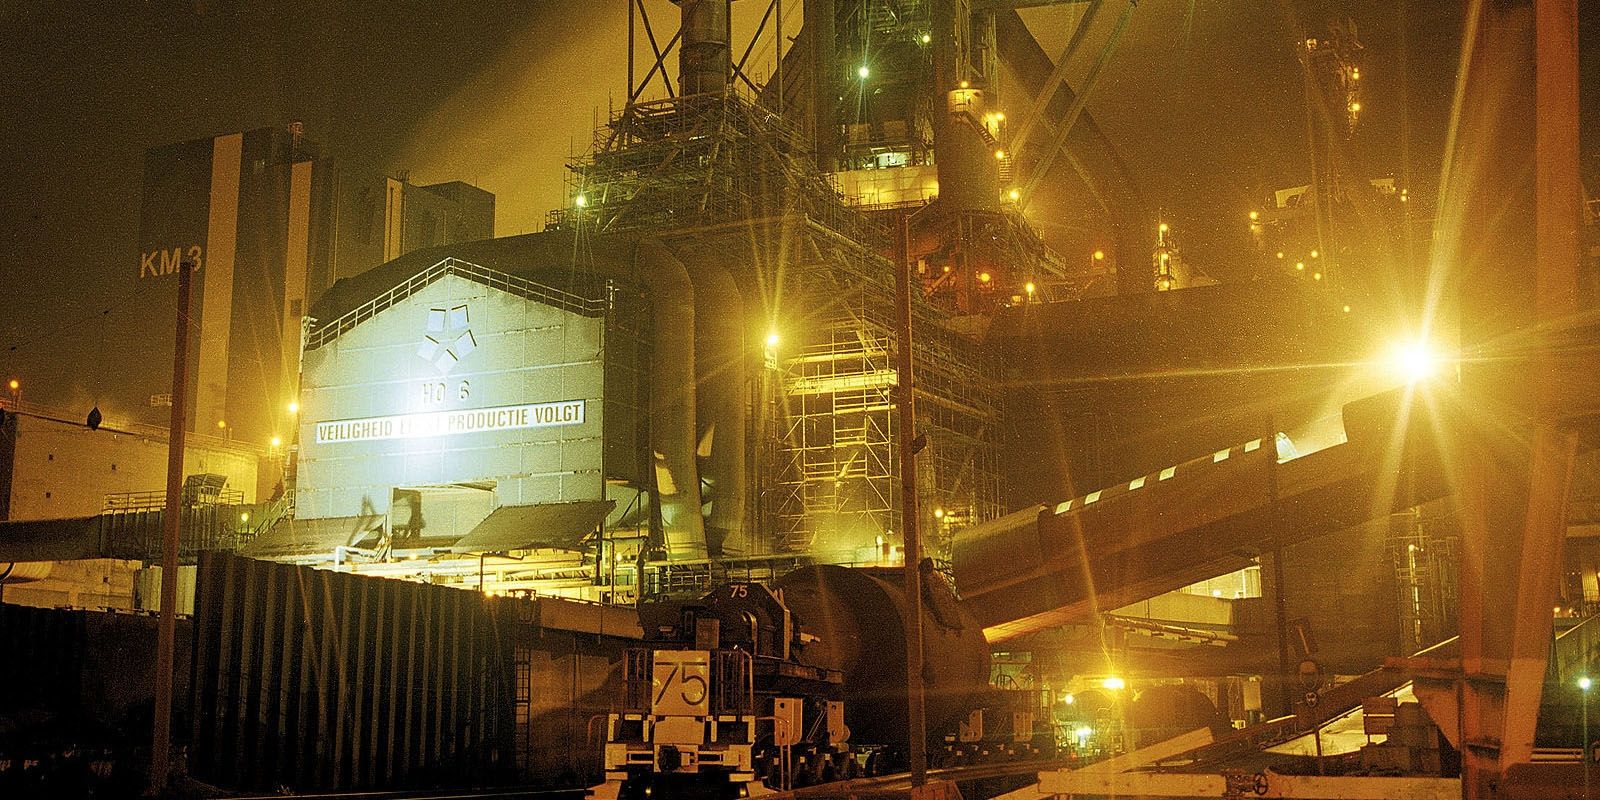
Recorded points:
(277, 441)
(1355, 108)
(1413, 361)
(1000, 154)
(1014, 194)
(772, 339)
(1099, 255)
(1355, 74)
(1029, 288)
(926, 38)
(14, 384)
(1068, 698)
(938, 513)
(580, 201)
(1000, 116)
(1114, 683)
(1316, 254)
(966, 85)
(1316, 276)
(863, 71)
(1346, 309)
(1300, 265)
(1162, 227)
(984, 277)
(222, 423)
(1280, 254)
(1255, 215)
(244, 516)
(294, 408)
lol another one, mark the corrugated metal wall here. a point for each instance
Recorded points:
(315, 679)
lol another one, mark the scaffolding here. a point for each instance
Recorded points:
(1423, 550)
(717, 176)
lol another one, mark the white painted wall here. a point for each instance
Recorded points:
(525, 352)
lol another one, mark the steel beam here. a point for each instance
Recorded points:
(1261, 784)
(1065, 128)
(1041, 101)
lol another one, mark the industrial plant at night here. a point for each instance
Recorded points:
(857, 415)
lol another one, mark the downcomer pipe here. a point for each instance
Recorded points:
(722, 347)
(672, 398)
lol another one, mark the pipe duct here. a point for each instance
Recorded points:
(722, 345)
(704, 56)
(673, 398)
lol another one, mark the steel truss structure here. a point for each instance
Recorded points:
(718, 176)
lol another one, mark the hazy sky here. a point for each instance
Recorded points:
(1203, 97)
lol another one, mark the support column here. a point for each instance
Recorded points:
(1514, 177)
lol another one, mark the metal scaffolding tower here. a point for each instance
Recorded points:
(719, 177)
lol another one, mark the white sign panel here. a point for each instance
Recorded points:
(447, 423)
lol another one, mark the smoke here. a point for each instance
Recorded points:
(512, 128)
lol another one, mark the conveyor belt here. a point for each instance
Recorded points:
(1046, 566)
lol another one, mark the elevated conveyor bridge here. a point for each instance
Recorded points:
(1049, 565)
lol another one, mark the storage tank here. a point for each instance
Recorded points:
(857, 618)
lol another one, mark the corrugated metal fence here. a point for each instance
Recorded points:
(315, 679)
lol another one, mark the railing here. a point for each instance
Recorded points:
(636, 681)
(274, 512)
(156, 500)
(522, 287)
(734, 682)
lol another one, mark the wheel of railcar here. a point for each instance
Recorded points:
(872, 765)
(802, 775)
(852, 767)
(817, 769)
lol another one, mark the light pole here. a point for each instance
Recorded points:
(1583, 689)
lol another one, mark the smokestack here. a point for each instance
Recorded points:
(704, 59)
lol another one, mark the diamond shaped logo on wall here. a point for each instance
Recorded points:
(448, 338)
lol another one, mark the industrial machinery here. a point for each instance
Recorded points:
(716, 700)
(800, 683)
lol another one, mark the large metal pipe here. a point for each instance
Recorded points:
(672, 398)
(858, 618)
(722, 346)
(821, 39)
(704, 56)
(969, 175)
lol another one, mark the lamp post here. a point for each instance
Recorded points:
(1583, 693)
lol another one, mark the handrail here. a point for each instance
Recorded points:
(323, 333)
